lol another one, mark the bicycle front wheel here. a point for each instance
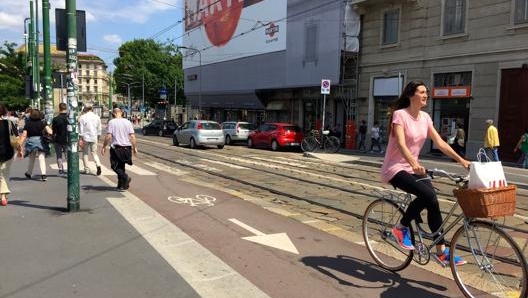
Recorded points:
(495, 265)
(379, 219)
(331, 144)
(309, 144)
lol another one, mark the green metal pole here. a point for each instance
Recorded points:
(32, 52)
(37, 55)
(73, 139)
(48, 91)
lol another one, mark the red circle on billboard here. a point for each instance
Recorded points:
(220, 24)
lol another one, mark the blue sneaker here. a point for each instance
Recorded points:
(403, 236)
(444, 258)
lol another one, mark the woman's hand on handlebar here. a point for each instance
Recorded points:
(465, 164)
(419, 169)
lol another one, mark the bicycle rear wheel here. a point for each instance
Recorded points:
(379, 219)
(495, 265)
(331, 144)
(309, 144)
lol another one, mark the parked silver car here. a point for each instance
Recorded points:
(236, 131)
(199, 133)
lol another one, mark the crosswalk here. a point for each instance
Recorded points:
(109, 172)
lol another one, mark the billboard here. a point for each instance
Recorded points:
(223, 30)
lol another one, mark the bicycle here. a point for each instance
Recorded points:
(329, 144)
(495, 264)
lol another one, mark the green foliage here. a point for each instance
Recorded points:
(160, 64)
(12, 90)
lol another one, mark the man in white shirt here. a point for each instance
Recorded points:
(89, 132)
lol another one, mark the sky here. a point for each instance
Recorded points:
(109, 23)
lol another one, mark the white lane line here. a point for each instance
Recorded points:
(207, 274)
(139, 171)
(224, 164)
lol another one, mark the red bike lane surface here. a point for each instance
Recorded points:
(325, 266)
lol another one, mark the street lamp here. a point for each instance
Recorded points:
(129, 85)
(142, 86)
(200, 77)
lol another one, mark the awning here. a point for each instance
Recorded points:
(276, 106)
(243, 101)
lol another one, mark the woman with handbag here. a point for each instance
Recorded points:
(35, 147)
(7, 150)
(409, 128)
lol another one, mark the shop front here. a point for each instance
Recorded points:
(450, 110)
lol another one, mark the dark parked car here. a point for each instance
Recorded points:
(159, 127)
(275, 136)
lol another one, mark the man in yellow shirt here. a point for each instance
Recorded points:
(491, 141)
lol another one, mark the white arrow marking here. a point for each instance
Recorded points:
(279, 240)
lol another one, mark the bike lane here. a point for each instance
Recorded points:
(279, 255)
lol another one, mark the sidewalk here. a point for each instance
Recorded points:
(46, 251)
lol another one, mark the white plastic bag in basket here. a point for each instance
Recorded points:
(486, 173)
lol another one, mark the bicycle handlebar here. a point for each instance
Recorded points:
(457, 178)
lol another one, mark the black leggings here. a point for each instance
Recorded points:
(425, 199)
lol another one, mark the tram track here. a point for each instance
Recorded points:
(336, 180)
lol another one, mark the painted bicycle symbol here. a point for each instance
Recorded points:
(197, 200)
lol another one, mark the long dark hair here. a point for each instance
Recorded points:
(404, 100)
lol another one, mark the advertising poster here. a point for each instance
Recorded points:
(224, 30)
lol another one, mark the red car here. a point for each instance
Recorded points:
(275, 136)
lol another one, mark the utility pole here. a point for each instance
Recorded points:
(32, 54)
(110, 93)
(37, 56)
(73, 137)
(48, 94)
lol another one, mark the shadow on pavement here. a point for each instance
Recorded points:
(341, 267)
(27, 204)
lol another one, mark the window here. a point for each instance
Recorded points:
(454, 17)
(520, 15)
(391, 24)
(310, 43)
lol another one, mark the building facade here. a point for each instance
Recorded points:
(93, 84)
(268, 61)
(473, 56)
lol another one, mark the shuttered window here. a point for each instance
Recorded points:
(520, 15)
(391, 22)
(454, 17)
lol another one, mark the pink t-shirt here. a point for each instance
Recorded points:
(415, 131)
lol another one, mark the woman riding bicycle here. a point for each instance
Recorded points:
(409, 128)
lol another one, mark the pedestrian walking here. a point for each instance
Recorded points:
(375, 138)
(89, 133)
(362, 136)
(459, 144)
(122, 140)
(6, 153)
(523, 146)
(59, 125)
(491, 141)
(409, 128)
(34, 146)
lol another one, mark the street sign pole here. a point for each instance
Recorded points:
(73, 137)
(325, 89)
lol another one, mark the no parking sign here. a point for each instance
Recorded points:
(325, 86)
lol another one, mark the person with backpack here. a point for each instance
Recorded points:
(59, 125)
(523, 146)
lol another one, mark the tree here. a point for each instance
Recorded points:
(12, 83)
(160, 64)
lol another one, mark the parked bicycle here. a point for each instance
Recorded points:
(495, 264)
(317, 141)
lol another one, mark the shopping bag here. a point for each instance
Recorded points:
(485, 173)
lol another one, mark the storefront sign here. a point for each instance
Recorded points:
(451, 92)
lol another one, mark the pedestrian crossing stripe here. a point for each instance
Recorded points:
(109, 172)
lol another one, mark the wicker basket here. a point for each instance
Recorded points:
(487, 202)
